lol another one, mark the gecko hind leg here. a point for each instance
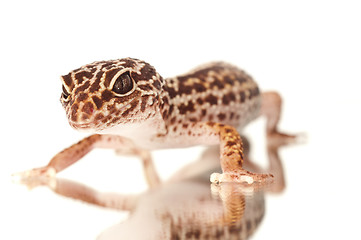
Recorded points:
(271, 109)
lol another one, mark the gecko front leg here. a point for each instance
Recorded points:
(70, 155)
(231, 155)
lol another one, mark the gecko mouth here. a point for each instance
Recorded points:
(91, 122)
(81, 126)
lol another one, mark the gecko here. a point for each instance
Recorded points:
(128, 106)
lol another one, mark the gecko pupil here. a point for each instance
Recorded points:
(123, 84)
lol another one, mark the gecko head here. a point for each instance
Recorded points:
(104, 94)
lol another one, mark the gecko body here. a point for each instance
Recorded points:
(132, 108)
(155, 112)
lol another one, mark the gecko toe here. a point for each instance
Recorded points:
(36, 177)
(241, 176)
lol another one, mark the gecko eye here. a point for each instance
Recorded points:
(123, 84)
(65, 94)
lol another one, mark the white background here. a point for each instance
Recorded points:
(309, 51)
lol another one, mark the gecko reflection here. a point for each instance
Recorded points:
(186, 207)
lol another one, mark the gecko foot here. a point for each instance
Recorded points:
(36, 177)
(241, 176)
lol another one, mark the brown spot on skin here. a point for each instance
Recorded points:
(81, 76)
(217, 83)
(105, 120)
(115, 120)
(95, 86)
(211, 124)
(241, 79)
(82, 96)
(210, 117)
(164, 114)
(175, 128)
(107, 95)
(211, 99)
(84, 117)
(198, 87)
(88, 108)
(185, 125)
(130, 62)
(228, 130)
(230, 143)
(253, 92)
(228, 80)
(231, 96)
(147, 72)
(189, 132)
(193, 119)
(82, 88)
(111, 109)
(243, 96)
(221, 116)
(184, 108)
(200, 101)
(74, 110)
(171, 91)
(165, 100)
(231, 116)
(99, 116)
(171, 108)
(186, 89)
(144, 103)
(256, 91)
(157, 84)
(240, 161)
(226, 99)
(97, 101)
(133, 105)
(172, 121)
(145, 87)
(204, 112)
(67, 80)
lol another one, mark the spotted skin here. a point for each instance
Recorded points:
(206, 106)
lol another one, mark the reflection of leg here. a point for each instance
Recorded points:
(276, 168)
(234, 202)
(84, 193)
